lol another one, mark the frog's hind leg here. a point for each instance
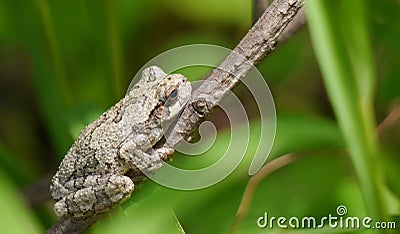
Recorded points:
(97, 195)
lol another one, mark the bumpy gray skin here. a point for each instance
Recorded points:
(110, 154)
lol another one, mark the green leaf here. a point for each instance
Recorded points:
(339, 35)
(15, 215)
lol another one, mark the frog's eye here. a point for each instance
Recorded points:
(172, 93)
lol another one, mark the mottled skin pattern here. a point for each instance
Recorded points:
(101, 167)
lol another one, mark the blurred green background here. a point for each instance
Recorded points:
(62, 63)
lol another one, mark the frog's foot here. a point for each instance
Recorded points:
(100, 196)
(164, 153)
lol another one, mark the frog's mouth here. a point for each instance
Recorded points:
(167, 125)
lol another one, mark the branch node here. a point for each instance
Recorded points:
(201, 107)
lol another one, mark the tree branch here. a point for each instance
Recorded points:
(298, 22)
(390, 120)
(72, 225)
(260, 41)
(38, 192)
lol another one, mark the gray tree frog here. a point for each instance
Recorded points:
(108, 157)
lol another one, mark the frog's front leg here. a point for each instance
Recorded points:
(138, 152)
(98, 194)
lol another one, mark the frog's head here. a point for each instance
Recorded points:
(172, 91)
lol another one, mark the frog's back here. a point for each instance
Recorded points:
(94, 151)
